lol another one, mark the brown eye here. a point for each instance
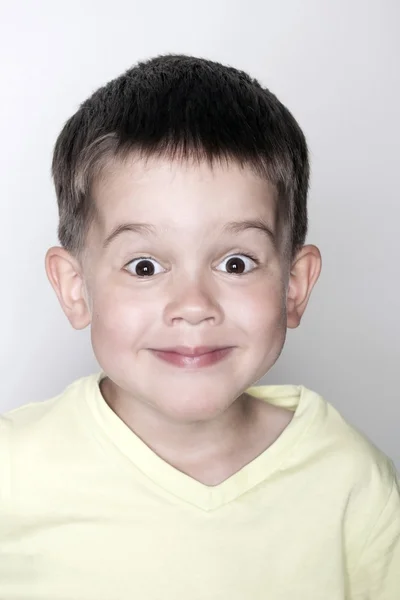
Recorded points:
(240, 264)
(142, 267)
(235, 265)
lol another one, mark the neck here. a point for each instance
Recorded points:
(207, 450)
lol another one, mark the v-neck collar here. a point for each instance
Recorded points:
(181, 485)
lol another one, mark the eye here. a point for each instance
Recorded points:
(143, 267)
(237, 263)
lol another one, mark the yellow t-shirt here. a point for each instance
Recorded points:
(89, 512)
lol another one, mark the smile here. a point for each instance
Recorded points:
(192, 358)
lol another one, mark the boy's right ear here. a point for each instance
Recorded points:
(65, 275)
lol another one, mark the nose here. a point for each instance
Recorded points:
(192, 301)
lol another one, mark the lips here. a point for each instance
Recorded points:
(191, 351)
(192, 358)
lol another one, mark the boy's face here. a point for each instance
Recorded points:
(206, 281)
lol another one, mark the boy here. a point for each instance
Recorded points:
(182, 193)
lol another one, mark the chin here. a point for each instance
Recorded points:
(200, 404)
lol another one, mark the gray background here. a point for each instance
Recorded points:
(336, 66)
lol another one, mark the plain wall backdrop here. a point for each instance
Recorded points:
(334, 63)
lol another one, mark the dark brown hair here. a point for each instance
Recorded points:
(181, 107)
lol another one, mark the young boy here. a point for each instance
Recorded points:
(182, 192)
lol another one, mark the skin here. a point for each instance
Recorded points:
(200, 421)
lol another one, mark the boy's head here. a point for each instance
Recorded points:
(182, 193)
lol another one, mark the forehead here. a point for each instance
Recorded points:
(177, 195)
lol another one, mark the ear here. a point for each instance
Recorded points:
(304, 274)
(65, 275)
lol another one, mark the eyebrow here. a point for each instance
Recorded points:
(258, 224)
(147, 230)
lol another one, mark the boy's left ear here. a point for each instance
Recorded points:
(304, 274)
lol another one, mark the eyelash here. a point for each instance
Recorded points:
(247, 255)
(239, 253)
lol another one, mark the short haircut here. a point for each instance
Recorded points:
(181, 107)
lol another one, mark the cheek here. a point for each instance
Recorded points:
(261, 308)
(117, 316)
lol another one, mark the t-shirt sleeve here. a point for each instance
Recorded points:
(377, 576)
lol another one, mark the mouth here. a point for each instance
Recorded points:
(191, 350)
(193, 357)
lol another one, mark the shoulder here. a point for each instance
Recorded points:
(357, 479)
(340, 460)
(351, 462)
(34, 435)
(342, 442)
(322, 441)
(28, 416)
(38, 425)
